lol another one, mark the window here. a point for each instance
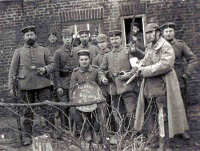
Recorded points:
(89, 25)
(126, 27)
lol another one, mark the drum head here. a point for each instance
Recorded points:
(86, 91)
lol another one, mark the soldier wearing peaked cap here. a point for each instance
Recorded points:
(85, 44)
(93, 37)
(53, 42)
(85, 72)
(160, 90)
(114, 71)
(28, 68)
(182, 53)
(64, 61)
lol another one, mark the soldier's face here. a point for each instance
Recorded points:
(84, 61)
(168, 33)
(30, 37)
(67, 40)
(52, 39)
(115, 41)
(135, 29)
(103, 45)
(151, 36)
(94, 38)
(84, 38)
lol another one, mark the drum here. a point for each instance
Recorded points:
(86, 91)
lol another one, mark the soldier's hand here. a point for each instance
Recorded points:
(60, 91)
(185, 76)
(105, 81)
(41, 71)
(12, 92)
(124, 75)
(134, 38)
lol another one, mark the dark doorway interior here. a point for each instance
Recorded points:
(128, 22)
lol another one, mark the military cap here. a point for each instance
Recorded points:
(67, 32)
(52, 33)
(102, 38)
(114, 33)
(95, 32)
(83, 52)
(27, 29)
(136, 24)
(152, 27)
(83, 32)
(168, 25)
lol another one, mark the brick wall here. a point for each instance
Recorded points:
(47, 15)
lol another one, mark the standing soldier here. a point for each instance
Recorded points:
(65, 63)
(102, 41)
(182, 51)
(93, 37)
(136, 37)
(117, 65)
(52, 47)
(85, 72)
(29, 66)
(53, 43)
(160, 90)
(85, 44)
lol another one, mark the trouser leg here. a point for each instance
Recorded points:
(48, 111)
(130, 105)
(64, 112)
(118, 111)
(27, 97)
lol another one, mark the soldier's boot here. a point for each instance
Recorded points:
(27, 131)
(55, 133)
(88, 136)
(64, 118)
(185, 136)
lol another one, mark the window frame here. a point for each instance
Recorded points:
(144, 22)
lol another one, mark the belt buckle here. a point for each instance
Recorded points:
(33, 67)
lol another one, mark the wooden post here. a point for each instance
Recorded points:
(42, 143)
(103, 126)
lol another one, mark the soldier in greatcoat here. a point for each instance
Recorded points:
(30, 67)
(159, 91)
(184, 69)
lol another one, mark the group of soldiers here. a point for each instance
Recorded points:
(51, 73)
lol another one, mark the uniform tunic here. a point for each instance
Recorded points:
(24, 66)
(182, 51)
(65, 60)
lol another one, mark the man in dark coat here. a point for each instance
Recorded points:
(114, 71)
(184, 70)
(160, 90)
(136, 37)
(64, 61)
(29, 69)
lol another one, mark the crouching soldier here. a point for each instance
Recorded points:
(160, 93)
(28, 68)
(85, 72)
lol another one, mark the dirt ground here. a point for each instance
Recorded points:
(9, 137)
